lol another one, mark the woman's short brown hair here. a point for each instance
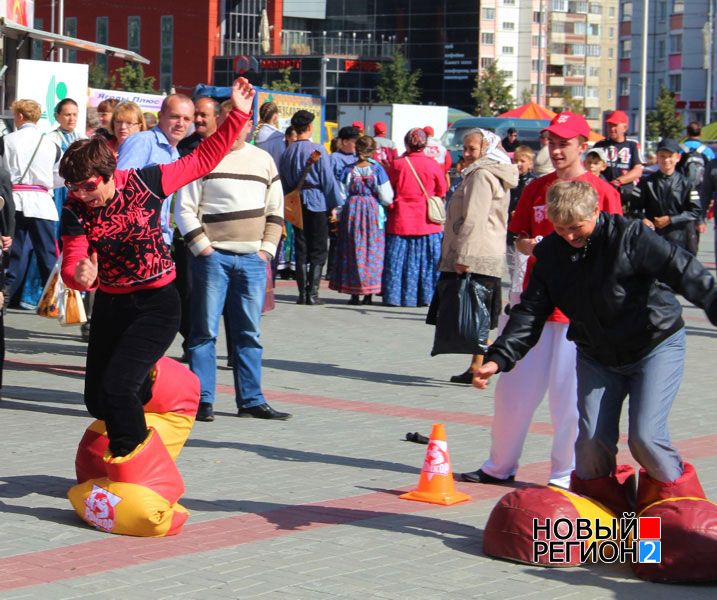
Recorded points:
(29, 109)
(107, 105)
(88, 158)
(267, 111)
(128, 108)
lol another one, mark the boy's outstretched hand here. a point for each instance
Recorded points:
(243, 95)
(481, 376)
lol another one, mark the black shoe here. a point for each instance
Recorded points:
(417, 438)
(263, 411)
(367, 299)
(354, 300)
(466, 377)
(85, 331)
(205, 412)
(480, 477)
(185, 359)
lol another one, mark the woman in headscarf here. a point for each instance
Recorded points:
(476, 225)
(413, 243)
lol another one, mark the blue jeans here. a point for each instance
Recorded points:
(240, 280)
(652, 385)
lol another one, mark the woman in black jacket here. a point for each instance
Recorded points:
(613, 278)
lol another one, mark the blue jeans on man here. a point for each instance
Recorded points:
(240, 280)
(652, 383)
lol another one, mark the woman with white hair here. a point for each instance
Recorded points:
(476, 225)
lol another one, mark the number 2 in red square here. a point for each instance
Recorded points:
(649, 528)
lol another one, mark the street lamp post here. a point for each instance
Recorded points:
(643, 75)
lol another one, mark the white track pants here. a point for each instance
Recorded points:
(549, 366)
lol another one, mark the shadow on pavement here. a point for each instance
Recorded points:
(290, 455)
(331, 370)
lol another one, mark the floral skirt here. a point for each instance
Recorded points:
(410, 270)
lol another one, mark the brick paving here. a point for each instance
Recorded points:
(307, 508)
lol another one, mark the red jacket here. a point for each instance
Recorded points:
(408, 215)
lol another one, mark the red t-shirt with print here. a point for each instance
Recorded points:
(531, 215)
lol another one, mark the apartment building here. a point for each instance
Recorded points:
(679, 53)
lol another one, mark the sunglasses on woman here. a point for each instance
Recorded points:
(85, 186)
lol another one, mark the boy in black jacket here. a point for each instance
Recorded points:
(668, 203)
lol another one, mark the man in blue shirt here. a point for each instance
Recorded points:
(320, 195)
(693, 142)
(158, 146)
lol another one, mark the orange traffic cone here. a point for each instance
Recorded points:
(436, 482)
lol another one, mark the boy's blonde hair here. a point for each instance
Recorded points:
(570, 202)
(525, 152)
(29, 109)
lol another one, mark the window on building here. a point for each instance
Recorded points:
(166, 53)
(596, 8)
(577, 91)
(486, 62)
(678, 6)
(575, 70)
(102, 27)
(626, 11)
(561, 27)
(578, 7)
(509, 2)
(508, 50)
(593, 71)
(536, 41)
(536, 16)
(508, 74)
(508, 25)
(576, 49)
(592, 112)
(71, 31)
(487, 38)
(488, 14)
(593, 29)
(133, 33)
(662, 10)
(592, 92)
(676, 43)
(609, 93)
(536, 65)
(623, 86)
(559, 5)
(609, 74)
(610, 52)
(36, 53)
(676, 83)
(660, 48)
(625, 48)
(593, 50)
(611, 33)
(580, 28)
(611, 12)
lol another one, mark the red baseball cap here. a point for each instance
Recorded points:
(429, 131)
(568, 125)
(618, 117)
(379, 128)
(358, 125)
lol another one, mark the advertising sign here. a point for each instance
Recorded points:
(147, 102)
(49, 82)
(289, 103)
(19, 11)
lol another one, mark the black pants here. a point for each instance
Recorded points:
(128, 335)
(30, 234)
(310, 243)
(182, 256)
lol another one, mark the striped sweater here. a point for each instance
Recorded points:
(238, 207)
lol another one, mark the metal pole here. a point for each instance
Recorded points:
(708, 63)
(52, 19)
(540, 55)
(643, 75)
(61, 28)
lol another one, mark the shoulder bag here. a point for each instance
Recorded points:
(436, 208)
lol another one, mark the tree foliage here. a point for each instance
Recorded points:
(491, 93)
(132, 79)
(284, 84)
(99, 79)
(396, 83)
(573, 105)
(664, 122)
(525, 96)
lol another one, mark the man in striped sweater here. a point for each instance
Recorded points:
(231, 221)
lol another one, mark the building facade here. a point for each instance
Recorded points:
(679, 54)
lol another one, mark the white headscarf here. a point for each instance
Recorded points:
(490, 146)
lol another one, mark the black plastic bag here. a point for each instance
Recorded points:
(461, 317)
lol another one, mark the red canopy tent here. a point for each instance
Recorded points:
(533, 110)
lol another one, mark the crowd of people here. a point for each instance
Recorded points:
(586, 290)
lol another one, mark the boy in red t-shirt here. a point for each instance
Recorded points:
(550, 365)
